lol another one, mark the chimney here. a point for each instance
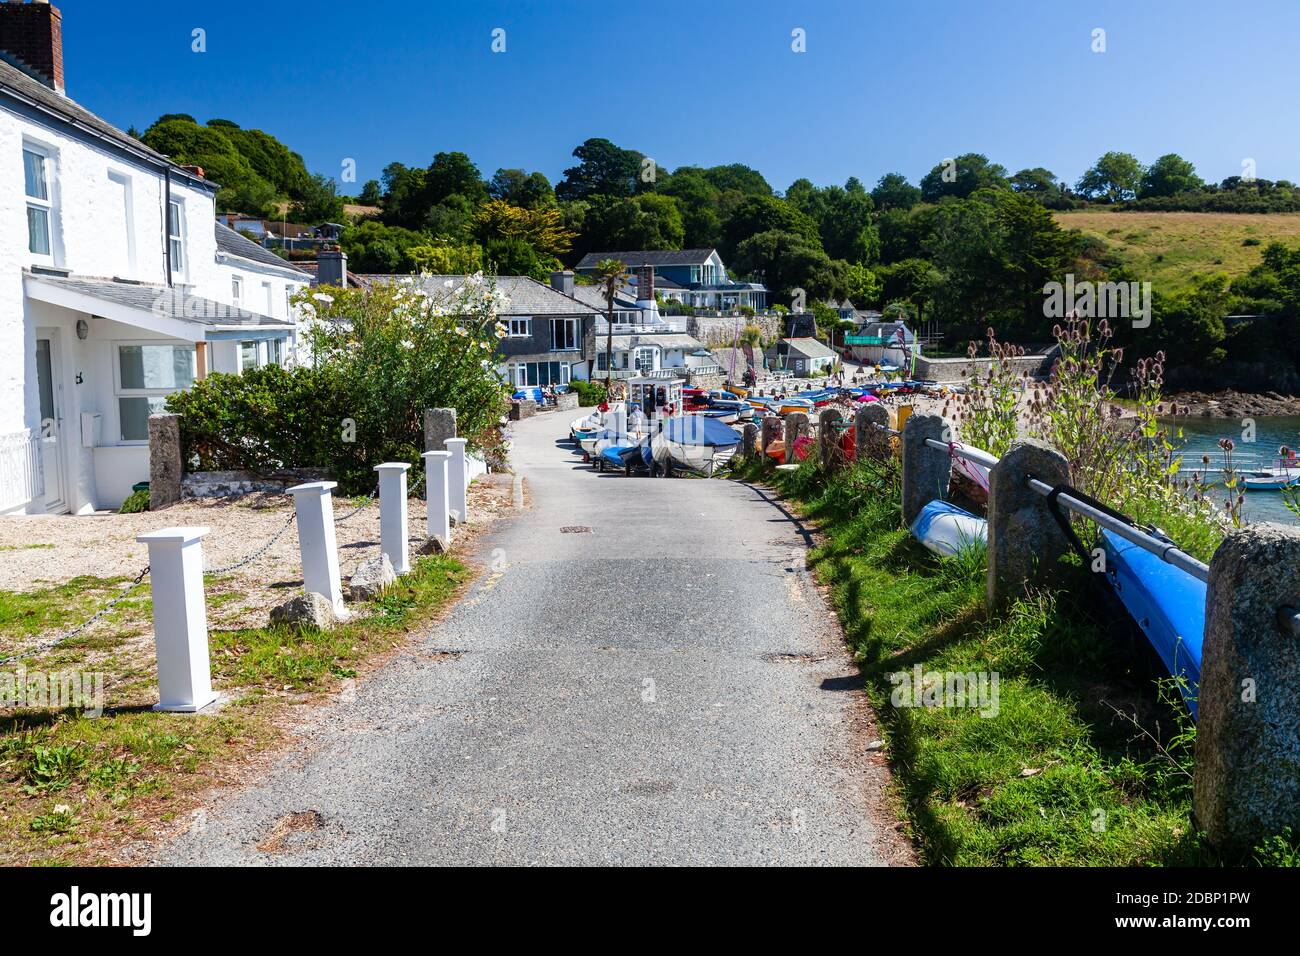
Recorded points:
(332, 267)
(562, 282)
(645, 284)
(645, 293)
(31, 39)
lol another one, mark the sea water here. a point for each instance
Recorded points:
(1201, 436)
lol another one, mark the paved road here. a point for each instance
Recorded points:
(664, 689)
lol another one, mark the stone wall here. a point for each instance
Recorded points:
(961, 369)
(228, 484)
(721, 331)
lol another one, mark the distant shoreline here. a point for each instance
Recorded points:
(1229, 403)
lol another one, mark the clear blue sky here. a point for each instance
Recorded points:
(883, 86)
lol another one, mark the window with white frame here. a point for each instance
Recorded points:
(40, 203)
(646, 360)
(255, 353)
(566, 335)
(146, 374)
(288, 301)
(270, 300)
(520, 326)
(176, 236)
(237, 290)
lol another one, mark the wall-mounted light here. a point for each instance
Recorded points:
(83, 329)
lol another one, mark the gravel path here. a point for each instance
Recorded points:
(667, 687)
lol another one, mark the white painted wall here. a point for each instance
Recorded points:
(107, 221)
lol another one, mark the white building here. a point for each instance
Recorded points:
(117, 286)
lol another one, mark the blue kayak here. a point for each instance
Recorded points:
(1168, 605)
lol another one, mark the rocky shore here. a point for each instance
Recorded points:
(1233, 404)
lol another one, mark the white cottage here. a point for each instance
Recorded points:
(117, 286)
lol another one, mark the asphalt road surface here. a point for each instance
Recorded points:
(667, 687)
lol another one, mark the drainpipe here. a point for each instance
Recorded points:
(167, 211)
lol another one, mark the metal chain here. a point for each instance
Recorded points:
(49, 645)
(259, 552)
(366, 503)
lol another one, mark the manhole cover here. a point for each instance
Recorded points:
(575, 529)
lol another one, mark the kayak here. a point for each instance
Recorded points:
(947, 530)
(1168, 605)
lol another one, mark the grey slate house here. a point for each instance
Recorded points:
(546, 329)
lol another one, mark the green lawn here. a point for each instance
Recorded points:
(1083, 763)
(1168, 248)
(75, 789)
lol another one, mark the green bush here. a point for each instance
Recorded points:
(589, 393)
(380, 357)
(136, 502)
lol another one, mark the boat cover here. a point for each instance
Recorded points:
(699, 430)
(946, 529)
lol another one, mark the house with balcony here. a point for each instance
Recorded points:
(117, 286)
(642, 342)
(694, 277)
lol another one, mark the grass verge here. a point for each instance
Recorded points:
(76, 789)
(1084, 763)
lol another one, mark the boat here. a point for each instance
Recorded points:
(694, 442)
(1284, 473)
(948, 530)
(1168, 604)
(1269, 480)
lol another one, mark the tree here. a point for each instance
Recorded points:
(738, 177)
(962, 176)
(185, 141)
(698, 201)
(528, 190)
(447, 259)
(514, 256)
(543, 229)
(610, 277)
(403, 188)
(371, 193)
(1114, 177)
(319, 203)
(1040, 183)
(452, 175)
(375, 247)
(786, 261)
(1169, 175)
(603, 170)
(757, 214)
(893, 191)
(862, 284)
(648, 221)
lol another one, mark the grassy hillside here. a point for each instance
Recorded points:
(1169, 247)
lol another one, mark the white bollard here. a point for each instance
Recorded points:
(435, 494)
(393, 534)
(180, 618)
(456, 479)
(314, 505)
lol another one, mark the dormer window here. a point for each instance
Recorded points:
(40, 207)
(176, 236)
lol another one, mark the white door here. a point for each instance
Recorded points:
(49, 385)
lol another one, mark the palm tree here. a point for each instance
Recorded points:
(610, 274)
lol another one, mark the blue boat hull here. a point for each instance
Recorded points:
(1167, 603)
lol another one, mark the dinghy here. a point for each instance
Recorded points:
(947, 530)
(1168, 605)
(694, 442)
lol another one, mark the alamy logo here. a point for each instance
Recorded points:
(58, 691)
(1099, 300)
(947, 689)
(73, 909)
